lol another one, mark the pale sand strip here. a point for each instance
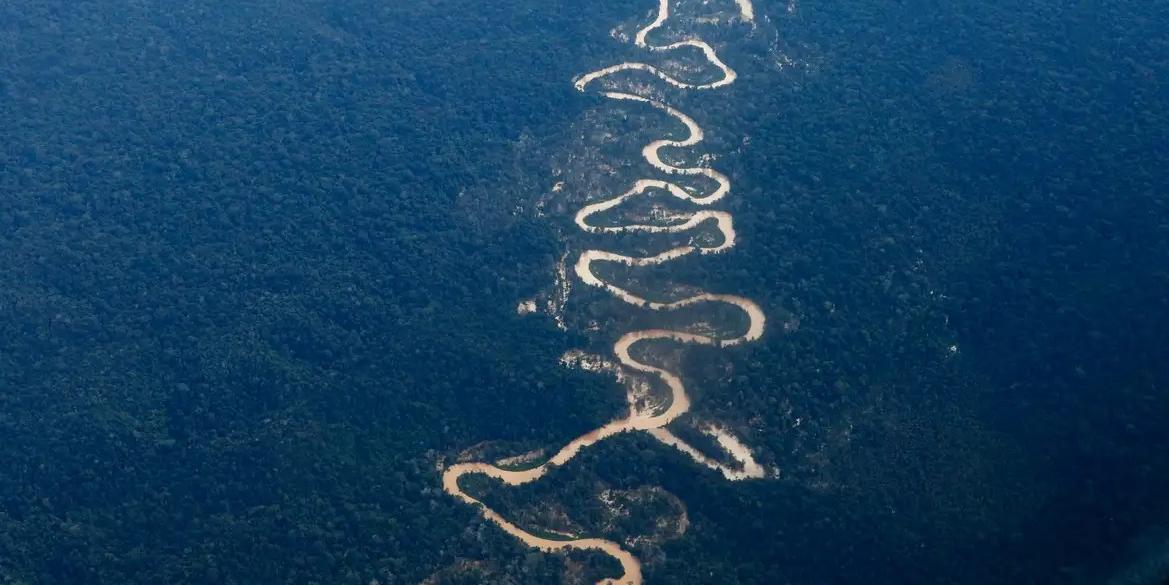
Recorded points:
(736, 449)
(746, 10)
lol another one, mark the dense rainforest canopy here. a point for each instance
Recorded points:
(259, 264)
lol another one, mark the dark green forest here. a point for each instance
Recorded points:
(259, 264)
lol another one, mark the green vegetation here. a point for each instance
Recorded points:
(259, 264)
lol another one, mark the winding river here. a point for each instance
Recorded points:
(652, 421)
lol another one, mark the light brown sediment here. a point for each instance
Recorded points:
(654, 422)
